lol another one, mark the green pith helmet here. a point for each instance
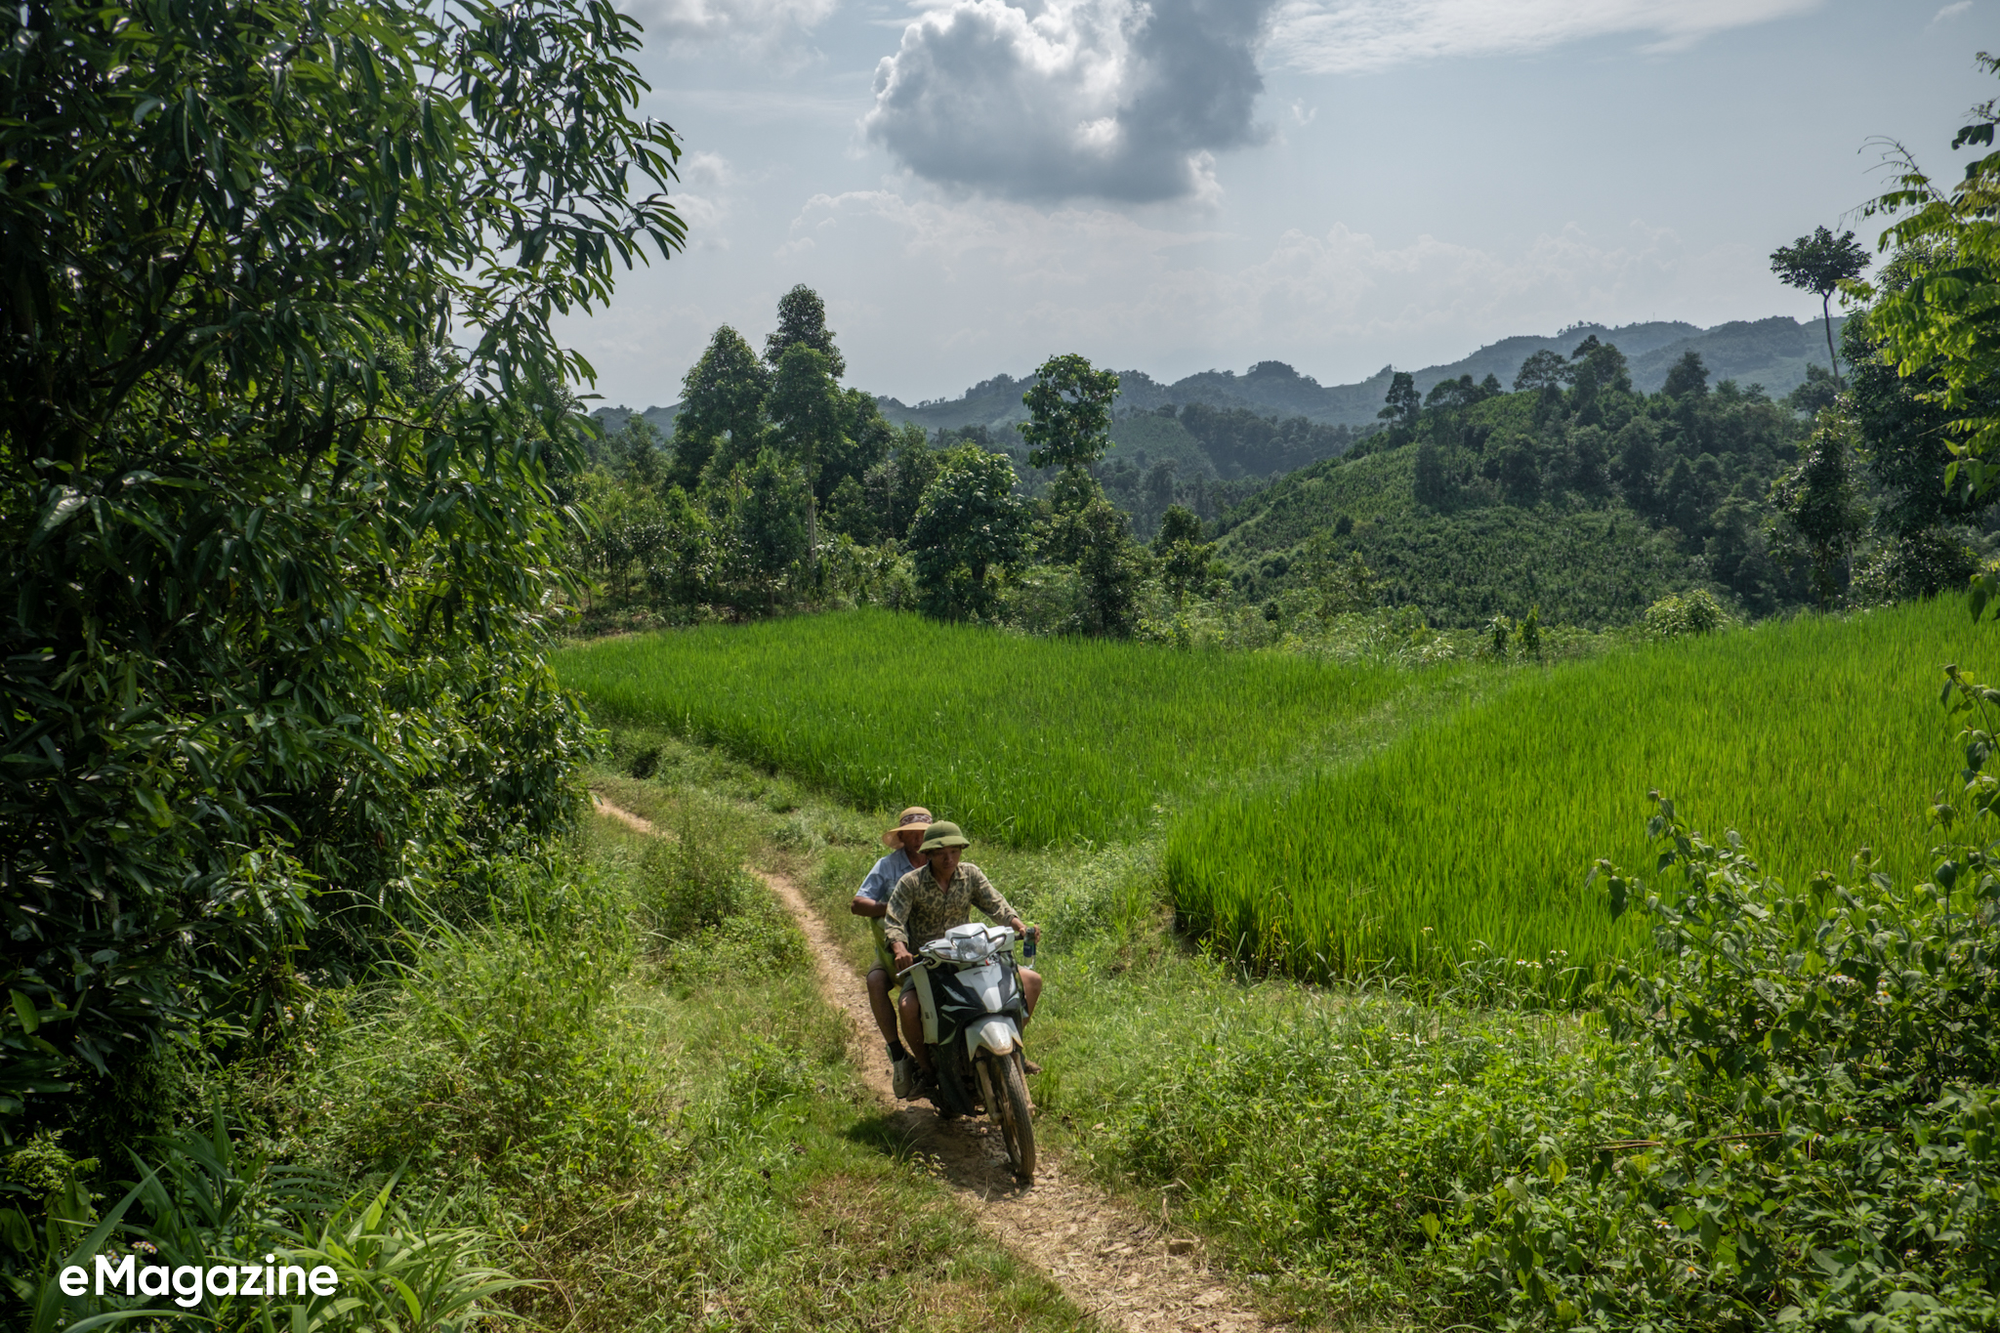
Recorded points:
(944, 835)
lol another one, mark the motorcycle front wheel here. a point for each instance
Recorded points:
(1017, 1122)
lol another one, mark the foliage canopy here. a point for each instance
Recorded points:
(280, 559)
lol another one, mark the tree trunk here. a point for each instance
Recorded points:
(812, 536)
(1826, 314)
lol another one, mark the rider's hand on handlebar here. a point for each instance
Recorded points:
(905, 960)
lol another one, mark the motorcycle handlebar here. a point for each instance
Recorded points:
(1028, 942)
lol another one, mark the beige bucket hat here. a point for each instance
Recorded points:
(916, 817)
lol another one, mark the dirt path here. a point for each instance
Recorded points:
(1129, 1270)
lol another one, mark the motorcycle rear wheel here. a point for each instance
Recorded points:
(1017, 1121)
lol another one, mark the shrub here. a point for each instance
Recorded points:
(1678, 614)
(1830, 1157)
(1915, 564)
(692, 878)
(200, 1202)
(759, 940)
(491, 1059)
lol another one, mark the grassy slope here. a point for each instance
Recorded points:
(1033, 740)
(1812, 737)
(1462, 566)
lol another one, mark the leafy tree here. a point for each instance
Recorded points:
(1688, 376)
(1599, 368)
(1109, 566)
(685, 569)
(864, 439)
(1543, 370)
(894, 488)
(769, 514)
(1347, 586)
(1530, 631)
(1820, 387)
(1903, 427)
(1819, 263)
(802, 322)
(1937, 323)
(1916, 564)
(271, 665)
(722, 405)
(1069, 413)
(636, 453)
(1818, 506)
(967, 529)
(848, 512)
(806, 410)
(1402, 404)
(1183, 556)
(1739, 556)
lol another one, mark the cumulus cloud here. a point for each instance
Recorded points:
(1364, 36)
(750, 22)
(1124, 100)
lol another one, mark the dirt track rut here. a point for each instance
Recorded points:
(1111, 1261)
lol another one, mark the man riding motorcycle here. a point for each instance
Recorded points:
(925, 904)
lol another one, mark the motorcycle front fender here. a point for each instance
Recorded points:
(996, 1034)
(926, 1004)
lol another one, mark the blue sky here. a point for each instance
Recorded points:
(1178, 185)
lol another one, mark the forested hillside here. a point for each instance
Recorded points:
(1582, 566)
(1583, 495)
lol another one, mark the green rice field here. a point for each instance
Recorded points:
(1032, 741)
(1811, 737)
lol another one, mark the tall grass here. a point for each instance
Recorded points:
(1032, 741)
(1475, 836)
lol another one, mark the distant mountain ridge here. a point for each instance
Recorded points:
(1772, 352)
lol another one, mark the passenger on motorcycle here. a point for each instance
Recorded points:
(872, 901)
(929, 901)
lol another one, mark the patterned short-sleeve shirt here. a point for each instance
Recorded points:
(921, 909)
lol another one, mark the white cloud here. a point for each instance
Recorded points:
(750, 22)
(1062, 99)
(1951, 11)
(706, 170)
(706, 199)
(1364, 36)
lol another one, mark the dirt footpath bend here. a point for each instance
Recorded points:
(1111, 1261)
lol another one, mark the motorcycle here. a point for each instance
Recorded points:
(969, 990)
